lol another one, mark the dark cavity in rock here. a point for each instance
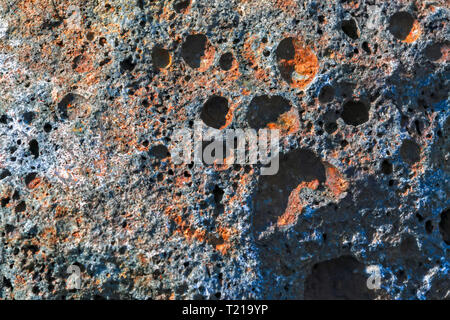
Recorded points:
(433, 52)
(4, 174)
(159, 151)
(410, 152)
(30, 177)
(355, 113)
(193, 49)
(160, 57)
(444, 226)
(264, 110)
(350, 28)
(127, 64)
(326, 94)
(226, 61)
(34, 148)
(286, 51)
(400, 24)
(342, 278)
(180, 6)
(214, 112)
(28, 117)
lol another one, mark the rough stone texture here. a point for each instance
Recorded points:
(90, 97)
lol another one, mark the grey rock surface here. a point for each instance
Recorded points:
(91, 93)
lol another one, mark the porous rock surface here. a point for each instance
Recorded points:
(92, 91)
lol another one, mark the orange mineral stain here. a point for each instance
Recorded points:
(288, 123)
(415, 33)
(335, 181)
(295, 204)
(301, 70)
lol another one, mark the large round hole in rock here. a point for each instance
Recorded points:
(21, 207)
(386, 167)
(161, 57)
(264, 110)
(326, 94)
(433, 52)
(226, 61)
(286, 49)
(297, 63)
(331, 127)
(5, 201)
(410, 152)
(214, 112)
(4, 174)
(350, 28)
(181, 6)
(34, 148)
(127, 64)
(4, 119)
(159, 152)
(28, 117)
(366, 47)
(342, 278)
(194, 49)
(400, 24)
(444, 226)
(355, 113)
(47, 127)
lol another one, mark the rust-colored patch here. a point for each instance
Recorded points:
(142, 259)
(225, 235)
(181, 180)
(233, 74)
(286, 5)
(303, 68)
(61, 211)
(295, 204)
(253, 57)
(19, 281)
(288, 123)
(184, 228)
(445, 53)
(230, 114)
(48, 235)
(415, 33)
(76, 235)
(34, 183)
(335, 181)
(208, 57)
(83, 64)
(353, 4)
(220, 240)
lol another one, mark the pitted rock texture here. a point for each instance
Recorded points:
(91, 93)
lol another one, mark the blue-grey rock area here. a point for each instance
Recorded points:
(92, 93)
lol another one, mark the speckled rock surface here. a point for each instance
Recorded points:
(92, 91)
